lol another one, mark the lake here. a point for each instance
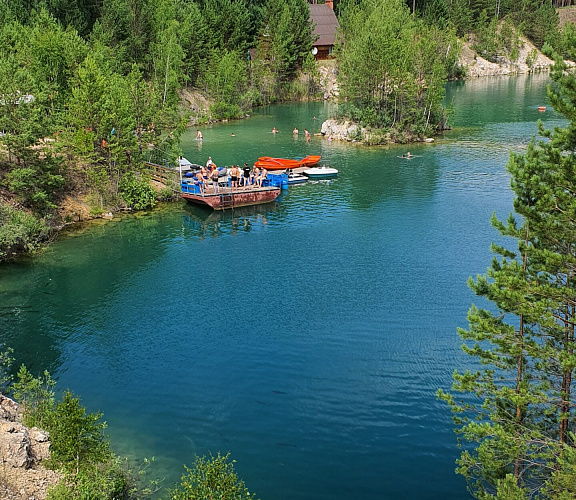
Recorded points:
(307, 337)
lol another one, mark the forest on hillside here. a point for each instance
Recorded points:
(90, 89)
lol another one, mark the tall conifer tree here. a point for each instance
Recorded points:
(519, 407)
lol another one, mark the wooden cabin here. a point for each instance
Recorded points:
(325, 25)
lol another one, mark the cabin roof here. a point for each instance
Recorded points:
(325, 22)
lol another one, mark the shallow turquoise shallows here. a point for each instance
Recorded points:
(307, 337)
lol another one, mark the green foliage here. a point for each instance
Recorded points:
(564, 43)
(537, 19)
(20, 231)
(562, 483)
(107, 480)
(36, 394)
(400, 85)
(212, 477)
(78, 446)
(225, 80)
(39, 184)
(488, 43)
(77, 439)
(6, 361)
(137, 191)
(518, 407)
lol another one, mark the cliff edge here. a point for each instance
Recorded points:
(530, 60)
(22, 451)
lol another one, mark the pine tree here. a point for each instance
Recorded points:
(519, 406)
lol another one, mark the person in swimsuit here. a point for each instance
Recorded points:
(262, 176)
(214, 178)
(201, 179)
(234, 172)
(256, 175)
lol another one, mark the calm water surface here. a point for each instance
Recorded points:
(306, 337)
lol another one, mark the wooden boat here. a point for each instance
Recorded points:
(226, 197)
(321, 172)
(270, 163)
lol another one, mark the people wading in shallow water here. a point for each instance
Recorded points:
(274, 130)
(198, 135)
(307, 134)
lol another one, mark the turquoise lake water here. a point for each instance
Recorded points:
(307, 337)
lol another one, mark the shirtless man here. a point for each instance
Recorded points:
(202, 177)
(262, 176)
(214, 178)
(234, 174)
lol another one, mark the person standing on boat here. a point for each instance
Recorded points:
(234, 173)
(214, 178)
(202, 178)
(209, 163)
(246, 175)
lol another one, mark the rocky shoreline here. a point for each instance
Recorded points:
(22, 451)
(530, 60)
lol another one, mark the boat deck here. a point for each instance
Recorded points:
(226, 196)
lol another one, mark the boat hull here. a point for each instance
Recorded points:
(321, 173)
(310, 160)
(270, 163)
(233, 199)
(276, 163)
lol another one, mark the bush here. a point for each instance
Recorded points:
(20, 231)
(36, 395)
(78, 446)
(212, 477)
(103, 481)
(225, 111)
(38, 184)
(77, 437)
(137, 191)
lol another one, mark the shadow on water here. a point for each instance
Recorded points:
(88, 262)
(203, 222)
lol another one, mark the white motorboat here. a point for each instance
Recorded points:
(295, 178)
(320, 172)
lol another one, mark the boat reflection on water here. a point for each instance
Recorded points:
(202, 222)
